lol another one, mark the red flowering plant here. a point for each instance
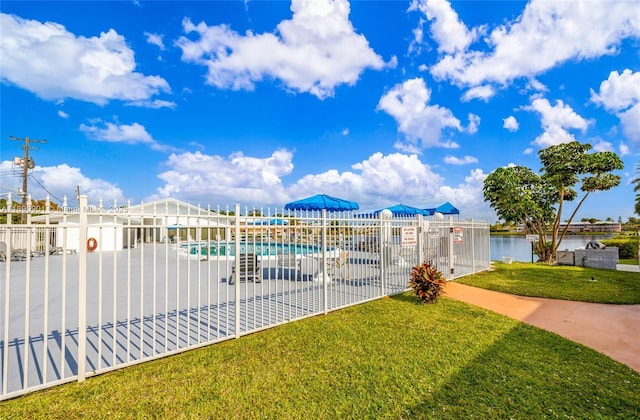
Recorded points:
(427, 283)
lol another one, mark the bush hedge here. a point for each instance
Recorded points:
(627, 247)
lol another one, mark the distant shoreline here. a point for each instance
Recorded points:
(568, 233)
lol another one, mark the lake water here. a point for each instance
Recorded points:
(517, 246)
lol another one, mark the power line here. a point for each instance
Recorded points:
(47, 191)
(27, 163)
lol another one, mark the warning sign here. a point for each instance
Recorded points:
(409, 236)
(457, 234)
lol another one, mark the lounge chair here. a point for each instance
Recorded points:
(290, 262)
(16, 254)
(249, 267)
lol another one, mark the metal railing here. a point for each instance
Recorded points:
(85, 291)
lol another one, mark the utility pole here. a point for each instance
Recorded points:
(27, 163)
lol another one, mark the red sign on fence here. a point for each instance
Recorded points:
(457, 234)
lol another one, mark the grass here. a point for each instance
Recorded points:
(391, 358)
(628, 261)
(560, 282)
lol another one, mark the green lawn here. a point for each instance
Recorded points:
(390, 358)
(560, 282)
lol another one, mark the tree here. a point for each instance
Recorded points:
(637, 189)
(519, 195)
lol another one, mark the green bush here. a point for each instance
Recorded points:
(427, 283)
(627, 247)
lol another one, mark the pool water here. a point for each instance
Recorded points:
(263, 249)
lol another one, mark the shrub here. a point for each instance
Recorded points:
(427, 283)
(627, 247)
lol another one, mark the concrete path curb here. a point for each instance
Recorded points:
(613, 330)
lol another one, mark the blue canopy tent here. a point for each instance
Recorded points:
(322, 202)
(447, 208)
(404, 210)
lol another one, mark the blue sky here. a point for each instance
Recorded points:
(265, 102)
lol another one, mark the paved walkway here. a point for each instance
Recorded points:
(610, 329)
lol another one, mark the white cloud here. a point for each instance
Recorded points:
(375, 182)
(195, 176)
(630, 120)
(510, 123)
(468, 195)
(474, 122)
(452, 160)
(484, 93)
(620, 94)
(155, 39)
(547, 34)
(345, 132)
(624, 149)
(559, 114)
(555, 120)
(53, 63)
(380, 178)
(315, 51)
(619, 91)
(122, 133)
(155, 104)
(552, 136)
(61, 181)
(446, 28)
(536, 85)
(603, 146)
(421, 124)
(63, 114)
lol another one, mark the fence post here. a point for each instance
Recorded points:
(450, 275)
(384, 247)
(324, 276)
(82, 288)
(473, 248)
(236, 263)
(420, 239)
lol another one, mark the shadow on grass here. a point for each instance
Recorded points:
(530, 373)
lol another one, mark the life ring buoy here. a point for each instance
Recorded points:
(92, 244)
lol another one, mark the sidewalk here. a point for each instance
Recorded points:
(610, 329)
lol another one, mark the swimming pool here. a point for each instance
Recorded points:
(221, 249)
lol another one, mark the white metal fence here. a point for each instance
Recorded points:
(88, 290)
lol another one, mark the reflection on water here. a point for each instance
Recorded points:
(517, 246)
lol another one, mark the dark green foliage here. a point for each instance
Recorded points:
(519, 195)
(627, 247)
(427, 283)
(636, 181)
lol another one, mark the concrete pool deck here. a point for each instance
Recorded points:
(613, 330)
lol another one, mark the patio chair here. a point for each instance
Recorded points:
(340, 263)
(249, 268)
(290, 262)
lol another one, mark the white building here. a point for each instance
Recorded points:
(116, 228)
